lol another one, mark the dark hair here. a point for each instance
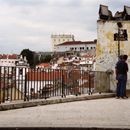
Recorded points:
(121, 57)
(125, 57)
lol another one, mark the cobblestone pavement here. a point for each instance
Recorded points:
(106, 113)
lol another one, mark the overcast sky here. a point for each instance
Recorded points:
(28, 24)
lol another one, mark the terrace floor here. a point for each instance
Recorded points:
(105, 112)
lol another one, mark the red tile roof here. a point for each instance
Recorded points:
(5, 56)
(52, 75)
(76, 43)
(43, 76)
(87, 56)
(44, 65)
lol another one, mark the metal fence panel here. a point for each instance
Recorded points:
(17, 83)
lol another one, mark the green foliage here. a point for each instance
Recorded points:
(29, 55)
(34, 59)
(45, 58)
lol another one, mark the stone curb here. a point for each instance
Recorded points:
(37, 102)
(60, 128)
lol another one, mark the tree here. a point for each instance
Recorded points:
(29, 55)
(36, 59)
(45, 58)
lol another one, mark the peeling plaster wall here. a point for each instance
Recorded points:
(107, 48)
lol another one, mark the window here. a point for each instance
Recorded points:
(81, 48)
(71, 48)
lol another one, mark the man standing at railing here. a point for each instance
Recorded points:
(121, 76)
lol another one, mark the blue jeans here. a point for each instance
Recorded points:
(121, 85)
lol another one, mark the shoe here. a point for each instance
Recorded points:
(117, 97)
(125, 97)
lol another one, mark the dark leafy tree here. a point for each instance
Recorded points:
(36, 59)
(29, 55)
(45, 58)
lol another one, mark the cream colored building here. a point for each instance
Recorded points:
(107, 50)
(61, 38)
(76, 46)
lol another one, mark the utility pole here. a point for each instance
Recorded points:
(118, 36)
(118, 42)
(119, 24)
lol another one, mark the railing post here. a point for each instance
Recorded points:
(63, 84)
(89, 79)
(25, 88)
(0, 87)
(3, 89)
(45, 84)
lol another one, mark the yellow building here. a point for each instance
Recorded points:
(113, 38)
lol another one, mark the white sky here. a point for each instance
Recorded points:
(28, 24)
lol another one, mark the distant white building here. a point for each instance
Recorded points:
(87, 62)
(58, 39)
(76, 46)
(8, 60)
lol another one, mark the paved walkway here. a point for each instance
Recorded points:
(96, 113)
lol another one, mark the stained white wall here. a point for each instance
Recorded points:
(107, 48)
(75, 47)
